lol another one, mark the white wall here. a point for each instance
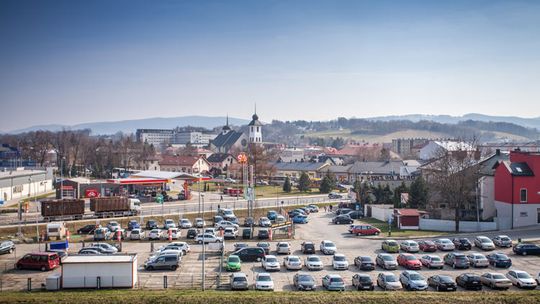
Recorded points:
(524, 215)
(380, 212)
(445, 225)
(26, 190)
(487, 197)
(111, 274)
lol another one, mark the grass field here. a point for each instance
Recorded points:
(250, 297)
(268, 191)
(383, 226)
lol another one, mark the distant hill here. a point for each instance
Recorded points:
(130, 126)
(525, 122)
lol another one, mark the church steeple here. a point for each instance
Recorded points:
(255, 128)
(226, 128)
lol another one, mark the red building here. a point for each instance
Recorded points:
(517, 190)
(407, 218)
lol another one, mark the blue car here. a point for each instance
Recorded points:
(300, 219)
(133, 225)
(499, 259)
(271, 215)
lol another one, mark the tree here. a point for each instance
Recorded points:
(396, 198)
(326, 185)
(385, 155)
(304, 182)
(287, 185)
(363, 192)
(418, 193)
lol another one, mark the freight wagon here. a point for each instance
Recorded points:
(115, 206)
(60, 210)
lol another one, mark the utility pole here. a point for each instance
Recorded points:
(62, 177)
(203, 250)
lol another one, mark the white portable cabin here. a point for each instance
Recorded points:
(109, 271)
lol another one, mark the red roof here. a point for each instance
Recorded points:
(184, 161)
(408, 212)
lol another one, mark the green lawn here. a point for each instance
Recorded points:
(398, 232)
(264, 191)
(249, 297)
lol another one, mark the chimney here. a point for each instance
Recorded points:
(498, 152)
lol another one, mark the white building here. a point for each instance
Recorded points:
(434, 148)
(21, 183)
(255, 130)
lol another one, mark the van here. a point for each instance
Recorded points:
(39, 260)
(101, 234)
(250, 254)
(56, 230)
(169, 261)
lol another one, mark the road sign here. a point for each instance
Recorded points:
(1, 202)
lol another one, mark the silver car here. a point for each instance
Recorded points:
(328, 247)
(502, 241)
(270, 263)
(388, 281)
(313, 262)
(412, 280)
(495, 280)
(283, 248)
(239, 281)
(386, 261)
(478, 260)
(292, 262)
(484, 243)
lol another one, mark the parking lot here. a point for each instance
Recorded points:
(319, 228)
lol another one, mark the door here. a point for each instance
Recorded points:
(160, 263)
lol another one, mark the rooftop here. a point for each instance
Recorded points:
(117, 258)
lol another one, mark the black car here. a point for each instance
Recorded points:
(265, 246)
(151, 224)
(250, 254)
(304, 281)
(442, 283)
(308, 248)
(248, 222)
(192, 233)
(364, 263)
(88, 229)
(342, 219)
(469, 281)
(462, 243)
(358, 214)
(499, 259)
(263, 234)
(526, 249)
(246, 233)
(362, 282)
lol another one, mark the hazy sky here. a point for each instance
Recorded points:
(70, 62)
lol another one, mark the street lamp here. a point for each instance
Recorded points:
(203, 246)
(62, 177)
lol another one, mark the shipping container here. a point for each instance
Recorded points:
(109, 204)
(65, 207)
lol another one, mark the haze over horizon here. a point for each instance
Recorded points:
(71, 62)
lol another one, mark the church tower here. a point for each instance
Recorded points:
(255, 129)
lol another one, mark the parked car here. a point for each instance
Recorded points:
(477, 260)
(313, 262)
(526, 249)
(408, 261)
(445, 244)
(271, 215)
(327, 247)
(409, 246)
(304, 281)
(183, 247)
(462, 243)
(7, 247)
(521, 279)
(442, 283)
(270, 263)
(263, 234)
(495, 280)
(169, 224)
(185, 223)
(192, 233)
(209, 230)
(263, 281)
(224, 224)
(469, 281)
(90, 251)
(217, 219)
(207, 238)
(136, 234)
(334, 195)
(499, 259)
(168, 261)
(432, 261)
(307, 247)
(388, 281)
(233, 263)
(239, 281)
(364, 263)
(333, 282)
(362, 281)
(502, 241)
(386, 261)
(154, 234)
(132, 224)
(227, 214)
(265, 246)
(283, 248)
(249, 221)
(39, 261)
(200, 223)
(412, 280)
(390, 246)
(151, 224)
(101, 234)
(300, 219)
(88, 229)
(427, 246)
(240, 245)
(456, 260)
(108, 248)
(230, 233)
(339, 262)
(365, 230)
(280, 219)
(264, 222)
(113, 226)
(343, 211)
(342, 219)
(292, 262)
(356, 214)
(250, 254)
(313, 208)
(484, 243)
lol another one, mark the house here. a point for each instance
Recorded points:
(517, 190)
(221, 162)
(375, 171)
(228, 140)
(435, 148)
(406, 218)
(341, 173)
(187, 164)
(294, 170)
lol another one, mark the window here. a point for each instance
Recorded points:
(523, 195)
(257, 129)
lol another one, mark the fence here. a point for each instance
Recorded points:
(464, 226)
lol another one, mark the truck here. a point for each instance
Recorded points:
(62, 209)
(115, 206)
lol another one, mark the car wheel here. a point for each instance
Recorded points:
(199, 242)
(43, 268)
(524, 253)
(19, 267)
(150, 268)
(454, 265)
(438, 289)
(174, 267)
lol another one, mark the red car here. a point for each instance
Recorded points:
(409, 261)
(365, 230)
(427, 246)
(40, 261)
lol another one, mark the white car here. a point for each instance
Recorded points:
(521, 279)
(199, 222)
(183, 246)
(432, 261)
(292, 262)
(185, 224)
(230, 233)
(502, 241)
(263, 281)
(207, 238)
(409, 246)
(173, 232)
(328, 247)
(484, 243)
(445, 244)
(176, 252)
(478, 260)
(339, 262)
(210, 231)
(169, 224)
(283, 248)
(154, 234)
(270, 263)
(136, 234)
(225, 224)
(313, 262)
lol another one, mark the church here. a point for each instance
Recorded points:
(229, 140)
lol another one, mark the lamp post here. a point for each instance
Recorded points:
(203, 247)
(62, 177)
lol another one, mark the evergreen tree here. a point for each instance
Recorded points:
(363, 192)
(397, 194)
(418, 193)
(304, 182)
(287, 185)
(326, 185)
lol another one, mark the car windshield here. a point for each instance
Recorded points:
(445, 279)
(339, 258)
(365, 259)
(271, 260)
(445, 241)
(416, 277)
(364, 279)
(240, 279)
(283, 245)
(387, 257)
(314, 259)
(506, 239)
(305, 278)
(392, 243)
(154, 231)
(336, 280)
(264, 245)
(485, 240)
(410, 257)
(264, 278)
(498, 276)
(460, 257)
(501, 257)
(435, 259)
(234, 259)
(523, 275)
(329, 244)
(294, 259)
(390, 278)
